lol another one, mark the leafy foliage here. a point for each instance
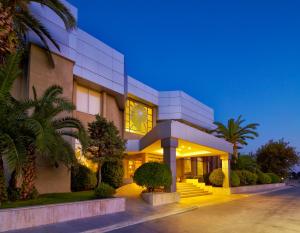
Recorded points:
(51, 130)
(234, 179)
(106, 143)
(216, 177)
(245, 162)
(153, 176)
(17, 19)
(274, 178)
(277, 157)
(104, 190)
(235, 133)
(112, 173)
(246, 177)
(263, 178)
(82, 178)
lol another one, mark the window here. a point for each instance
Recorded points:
(138, 118)
(87, 100)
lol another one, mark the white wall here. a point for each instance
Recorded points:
(178, 105)
(94, 60)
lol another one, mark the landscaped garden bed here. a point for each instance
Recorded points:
(51, 198)
(18, 218)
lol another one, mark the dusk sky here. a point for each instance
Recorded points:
(238, 57)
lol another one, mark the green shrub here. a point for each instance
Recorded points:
(82, 179)
(153, 176)
(14, 194)
(263, 178)
(104, 191)
(274, 178)
(216, 177)
(246, 177)
(245, 162)
(234, 179)
(112, 173)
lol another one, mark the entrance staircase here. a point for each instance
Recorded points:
(192, 190)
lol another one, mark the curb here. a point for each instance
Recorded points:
(142, 220)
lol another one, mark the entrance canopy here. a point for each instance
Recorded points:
(191, 141)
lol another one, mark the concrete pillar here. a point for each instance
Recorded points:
(169, 146)
(194, 166)
(200, 166)
(226, 169)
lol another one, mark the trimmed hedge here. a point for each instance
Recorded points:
(274, 178)
(82, 179)
(216, 177)
(104, 191)
(246, 177)
(263, 178)
(234, 179)
(112, 173)
(153, 176)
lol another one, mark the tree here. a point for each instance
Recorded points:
(105, 143)
(277, 157)
(15, 127)
(236, 133)
(51, 141)
(16, 19)
(246, 162)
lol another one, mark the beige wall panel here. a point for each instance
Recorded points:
(113, 112)
(42, 75)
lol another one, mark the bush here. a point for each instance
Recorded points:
(246, 177)
(112, 173)
(274, 178)
(263, 178)
(104, 191)
(245, 162)
(234, 179)
(14, 194)
(216, 177)
(82, 179)
(153, 176)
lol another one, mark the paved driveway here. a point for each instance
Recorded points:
(269, 213)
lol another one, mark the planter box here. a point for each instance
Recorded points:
(156, 199)
(256, 188)
(18, 218)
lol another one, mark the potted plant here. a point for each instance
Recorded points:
(156, 178)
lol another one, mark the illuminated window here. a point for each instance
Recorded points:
(139, 117)
(87, 100)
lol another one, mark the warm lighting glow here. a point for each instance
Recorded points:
(138, 118)
(184, 149)
(82, 159)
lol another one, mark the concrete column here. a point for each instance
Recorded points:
(200, 166)
(194, 166)
(169, 146)
(226, 169)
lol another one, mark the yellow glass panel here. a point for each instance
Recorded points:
(138, 117)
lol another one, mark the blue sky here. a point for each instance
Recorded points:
(238, 57)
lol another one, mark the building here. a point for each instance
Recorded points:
(168, 126)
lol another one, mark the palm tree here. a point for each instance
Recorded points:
(51, 142)
(235, 133)
(16, 131)
(16, 19)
